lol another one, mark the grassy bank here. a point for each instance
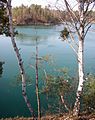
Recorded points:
(58, 117)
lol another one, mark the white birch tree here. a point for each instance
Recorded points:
(37, 82)
(83, 8)
(79, 24)
(19, 59)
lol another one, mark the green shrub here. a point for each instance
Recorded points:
(88, 96)
(64, 33)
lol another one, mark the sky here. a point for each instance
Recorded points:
(41, 2)
(29, 2)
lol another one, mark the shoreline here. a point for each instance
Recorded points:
(34, 24)
(64, 116)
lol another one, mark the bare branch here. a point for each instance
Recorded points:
(90, 22)
(87, 13)
(71, 46)
(63, 102)
(69, 11)
(71, 36)
(87, 30)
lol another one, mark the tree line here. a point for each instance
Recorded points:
(35, 14)
(24, 15)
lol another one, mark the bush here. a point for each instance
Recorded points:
(89, 94)
(64, 33)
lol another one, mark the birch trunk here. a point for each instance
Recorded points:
(80, 59)
(81, 79)
(37, 86)
(19, 59)
(63, 102)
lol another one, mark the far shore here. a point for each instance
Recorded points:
(44, 24)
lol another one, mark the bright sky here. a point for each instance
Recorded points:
(40, 2)
(29, 2)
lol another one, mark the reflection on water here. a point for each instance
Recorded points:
(28, 34)
(30, 40)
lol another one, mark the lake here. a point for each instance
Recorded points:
(59, 53)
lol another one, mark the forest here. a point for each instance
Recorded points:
(35, 14)
(24, 15)
(73, 97)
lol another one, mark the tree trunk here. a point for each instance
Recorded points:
(80, 59)
(63, 102)
(81, 78)
(19, 59)
(37, 86)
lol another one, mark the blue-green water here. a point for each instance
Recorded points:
(11, 100)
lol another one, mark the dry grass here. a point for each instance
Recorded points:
(57, 117)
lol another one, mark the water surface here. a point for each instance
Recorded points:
(49, 43)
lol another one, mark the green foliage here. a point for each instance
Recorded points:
(1, 68)
(19, 79)
(64, 72)
(64, 33)
(89, 94)
(4, 21)
(57, 85)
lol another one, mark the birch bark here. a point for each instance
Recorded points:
(63, 101)
(37, 86)
(19, 59)
(80, 58)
